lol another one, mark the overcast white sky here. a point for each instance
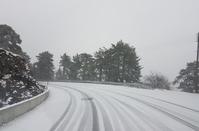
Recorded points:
(163, 31)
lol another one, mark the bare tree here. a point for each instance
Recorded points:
(157, 80)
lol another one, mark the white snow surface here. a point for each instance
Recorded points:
(42, 117)
(95, 107)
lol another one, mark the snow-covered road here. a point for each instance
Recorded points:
(95, 107)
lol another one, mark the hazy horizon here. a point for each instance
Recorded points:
(163, 32)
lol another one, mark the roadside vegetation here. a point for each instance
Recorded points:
(16, 81)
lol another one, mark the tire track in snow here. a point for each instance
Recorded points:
(78, 112)
(146, 119)
(194, 110)
(95, 126)
(85, 119)
(175, 115)
(163, 110)
(128, 107)
(121, 122)
(67, 122)
(66, 118)
(106, 120)
(152, 123)
(149, 121)
(158, 99)
(57, 124)
(120, 117)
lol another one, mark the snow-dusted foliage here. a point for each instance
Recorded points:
(16, 82)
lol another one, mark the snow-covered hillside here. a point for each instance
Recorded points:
(95, 107)
(16, 81)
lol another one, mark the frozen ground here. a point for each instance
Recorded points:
(95, 107)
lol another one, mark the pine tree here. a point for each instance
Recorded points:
(121, 63)
(59, 74)
(16, 82)
(99, 63)
(66, 63)
(75, 68)
(43, 69)
(11, 41)
(185, 79)
(87, 69)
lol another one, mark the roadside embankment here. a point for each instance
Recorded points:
(9, 113)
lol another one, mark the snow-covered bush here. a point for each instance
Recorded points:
(157, 81)
(16, 82)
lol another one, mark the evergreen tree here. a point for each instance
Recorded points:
(16, 82)
(43, 69)
(66, 63)
(122, 63)
(119, 63)
(185, 79)
(75, 68)
(109, 66)
(87, 69)
(59, 74)
(10, 41)
(100, 63)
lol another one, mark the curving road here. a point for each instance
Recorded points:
(93, 107)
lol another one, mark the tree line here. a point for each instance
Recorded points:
(119, 63)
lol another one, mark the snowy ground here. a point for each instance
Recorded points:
(43, 116)
(95, 107)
